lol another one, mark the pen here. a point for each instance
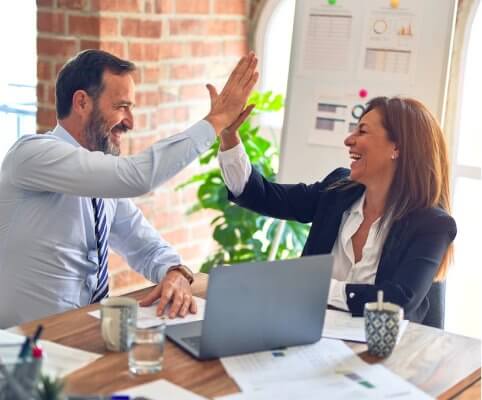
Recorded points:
(24, 350)
(37, 334)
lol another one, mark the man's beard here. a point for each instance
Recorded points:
(98, 136)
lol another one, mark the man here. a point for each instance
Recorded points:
(64, 195)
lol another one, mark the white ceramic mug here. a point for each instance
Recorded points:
(117, 315)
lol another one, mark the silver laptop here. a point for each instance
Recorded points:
(259, 306)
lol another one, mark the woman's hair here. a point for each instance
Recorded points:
(421, 178)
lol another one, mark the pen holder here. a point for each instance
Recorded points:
(18, 378)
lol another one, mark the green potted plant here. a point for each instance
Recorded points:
(241, 234)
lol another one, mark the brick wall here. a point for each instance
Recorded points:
(178, 46)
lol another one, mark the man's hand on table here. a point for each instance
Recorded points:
(175, 290)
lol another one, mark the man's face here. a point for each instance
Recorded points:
(111, 114)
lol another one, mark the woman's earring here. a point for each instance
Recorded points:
(393, 157)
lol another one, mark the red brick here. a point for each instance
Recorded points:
(44, 70)
(140, 143)
(202, 231)
(235, 48)
(192, 252)
(177, 236)
(187, 71)
(193, 92)
(164, 6)
(116, 5)
(58, 67)
(92, 26)
(227, 27)
(168, 220)
(46, 117)
(192, 6)
(162, 116)
(56, 47)
(230, 7)
(189, 194)
(116, 48)
(73, 4)
(116, 263)
(40, 92)
(45, 3)
(140, 123)
(141, 28)
(126, 278)
(148, 7)
(171, 50)
(206, 49)
(50, 22)
(167, 96)
(144, 98)
(50, 93)
(154, 74)
(187, 27)
(143, 51)
(181, 114)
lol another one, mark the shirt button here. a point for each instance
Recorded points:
(351, 295)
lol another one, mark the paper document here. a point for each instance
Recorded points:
(328, 367)
(253, 371)
(161, 390)
(58, 360)
(341, 325)
(146, 316)
(376, 383)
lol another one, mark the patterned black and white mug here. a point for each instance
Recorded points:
(382, 324)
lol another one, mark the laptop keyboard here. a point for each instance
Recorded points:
(193, 341)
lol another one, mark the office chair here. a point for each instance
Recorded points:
(436, 313)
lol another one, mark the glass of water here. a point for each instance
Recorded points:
(146, 349)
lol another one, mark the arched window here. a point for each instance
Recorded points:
(464, 282)
(273, 44)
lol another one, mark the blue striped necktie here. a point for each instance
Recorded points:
(102, 289)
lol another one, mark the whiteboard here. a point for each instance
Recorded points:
(344, 54)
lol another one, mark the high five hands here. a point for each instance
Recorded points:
(228, 107)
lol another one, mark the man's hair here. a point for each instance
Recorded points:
(84, 72)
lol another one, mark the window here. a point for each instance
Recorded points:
(273, 45)
(464, 281)
(18, 79)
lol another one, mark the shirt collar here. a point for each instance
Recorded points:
(357, 206)
(62, 133)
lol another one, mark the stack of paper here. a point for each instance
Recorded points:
(146, 316)
(160, 390)
(341, 325)
(327, 369)
(58, 360)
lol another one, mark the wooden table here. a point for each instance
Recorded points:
(442, 364)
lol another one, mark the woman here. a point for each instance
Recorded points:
(386, 220)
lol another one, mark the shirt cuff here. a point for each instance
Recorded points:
(203, 135)
(337, 294)
(231, 155)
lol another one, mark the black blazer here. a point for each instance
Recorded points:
(412, 252)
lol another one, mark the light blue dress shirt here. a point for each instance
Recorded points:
(48, 255)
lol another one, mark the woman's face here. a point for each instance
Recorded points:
(373, 154)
